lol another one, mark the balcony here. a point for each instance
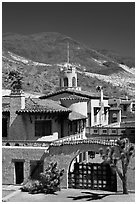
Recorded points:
(38, 143)
(78, 136)
(26, 143)
(108, 133)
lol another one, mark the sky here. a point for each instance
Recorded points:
(101, 25)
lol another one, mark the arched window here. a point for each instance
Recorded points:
(66, 81)
(114, 115)
(73, 81)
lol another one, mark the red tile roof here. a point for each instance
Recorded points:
(126, 102)
(42, 106)
(115, 108)
(75, 98)
(75, 92)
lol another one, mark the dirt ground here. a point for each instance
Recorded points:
(70, 195)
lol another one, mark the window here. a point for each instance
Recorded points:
(43, 128)
(66, 82)
(133, 107)
(105, 117)
(4, 127)
(89, 119)
(104, 131)
(73, 81)
(113, 131)
(75, 127)
(95, 131)
(114, 115)
(70, 126)
(125, 108)
(123, 131)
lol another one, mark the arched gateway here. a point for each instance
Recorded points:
(84, 174)
(89, 175)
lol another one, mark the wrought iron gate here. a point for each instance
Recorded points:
(93, 176)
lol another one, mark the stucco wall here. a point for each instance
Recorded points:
(17, 129)
(68, 75)
(23, 128)
(79, 107)
(96, 103)
(10, 155)
(63, 155)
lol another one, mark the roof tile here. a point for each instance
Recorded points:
(39, 105)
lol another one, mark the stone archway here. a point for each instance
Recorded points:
(83, 174)
(64, 153)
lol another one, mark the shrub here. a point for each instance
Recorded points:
(49, 181)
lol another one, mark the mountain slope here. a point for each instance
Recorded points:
(39, 56)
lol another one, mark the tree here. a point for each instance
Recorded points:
(15, 80)
(126, 150)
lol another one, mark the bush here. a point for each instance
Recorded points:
(49, 181)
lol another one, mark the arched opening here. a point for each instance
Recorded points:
(73, 82)
(66, 82)
(114, 118)
(88, 171)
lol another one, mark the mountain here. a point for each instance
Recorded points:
(38, 58)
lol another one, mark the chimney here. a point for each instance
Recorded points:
(17, 101)
(100, 89)
(101, 95)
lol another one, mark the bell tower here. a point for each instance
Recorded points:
(68, 74)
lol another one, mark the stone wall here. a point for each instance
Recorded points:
(62, 154)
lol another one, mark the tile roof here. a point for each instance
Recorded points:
(75, 97)
(115, 108)
(42, 106)
(126, 102)
(76, 92)
(76, 116)
(113, 101)
(128, 124)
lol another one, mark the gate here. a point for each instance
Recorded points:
(93, 176)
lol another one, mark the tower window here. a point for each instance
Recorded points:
(73, 81)
(66, 81)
